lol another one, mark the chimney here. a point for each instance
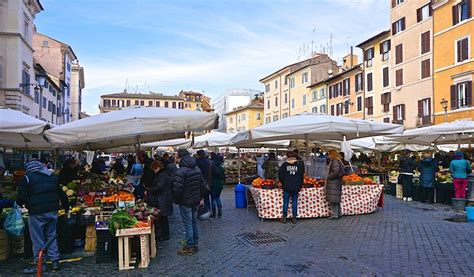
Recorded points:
(350, 60)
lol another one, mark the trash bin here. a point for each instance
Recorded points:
(240, 196)
(470, 214)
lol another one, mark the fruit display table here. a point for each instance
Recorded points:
(356, 199)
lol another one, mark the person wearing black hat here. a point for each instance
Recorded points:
(188, 192)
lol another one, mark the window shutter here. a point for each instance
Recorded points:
(469, 93)
(389, 97)
(349, 86)
(418, 15)
(403, 23)
(469, 8)
(465, 49)
(398, 53)
(455, 14)
(389, 43)
(395, 115)
(403, 111)
(431, 9)
(454, 100)
(344, 88)
(381, 48)
(394, 32)
(420, 108)
(394, 3)
(429, 106)
(361, 81)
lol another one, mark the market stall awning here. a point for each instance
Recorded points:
(130, 126)
(212, 139)
(21, 131)
(460, 131)
(310, 126)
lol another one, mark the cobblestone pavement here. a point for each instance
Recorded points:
(403, 238)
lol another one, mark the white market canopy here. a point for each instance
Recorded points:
(310, 127)
(21, 131)
(212, 139)
(461, 131)
(130, 126)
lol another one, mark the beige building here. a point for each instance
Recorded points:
(17, 77)
(47, 96)
(245, 118)
(288, 92)
(411, 62)
(196, 101)
(117, 101)
(319, 98)
(77, 85)
(375, 82)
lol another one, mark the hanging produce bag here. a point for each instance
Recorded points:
(14, 225)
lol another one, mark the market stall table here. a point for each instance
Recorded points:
(356, 199)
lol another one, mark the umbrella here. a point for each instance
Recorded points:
(21, 131)
(130, 126)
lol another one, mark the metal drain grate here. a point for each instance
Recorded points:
(259, 239)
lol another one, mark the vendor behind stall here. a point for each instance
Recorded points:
(68, 173)
(270, 166)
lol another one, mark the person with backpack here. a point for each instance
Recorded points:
(333, 187)
(291, 176)
(460, 168)
(188, 192)
(217, 185)
(40, 192)
(208, 170)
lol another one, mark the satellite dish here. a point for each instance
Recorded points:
(330, 71)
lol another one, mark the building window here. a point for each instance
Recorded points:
(285, 115)
(461, 11)
(462, 49)
(128, 103)
(369, 105)
(268, 120)
(399, 77)
(304, 99)
(150, 103)
(243, 117)
(399, 113)
(268, 104)
(314, 110)
(424, 111)
(142, 103)
(286, 81)
(346, 106)
(137, 103)
(26, 30)
(267, 87)
(257, 116)
(25, 81)
(275, 118)
(346, 87)
(276, 101)
(423, 12)
(386, 99)
(293, 103)
(425, 69)
(322, 93)
(399, 53)
(359, 103)
(114, 103)
(276, 84)
(461, 95)
(385, 50)
(332, 109)
(386, 119)
(231, 120)
(45, 43)
(54, 109)
(322, 109)
(314, 95)
(37, 96)
(359, 84)
(286, 98)
(397, 2)
(173, 105)
(385, 77)
(370, 86)
(166, 104)
(425, 42)
(292, 82)
(304, 78)
(398, 26)
(369, 56)
(44, 102)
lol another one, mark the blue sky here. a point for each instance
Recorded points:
(201, 45)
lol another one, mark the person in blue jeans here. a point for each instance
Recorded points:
(188, 192)
(40, 193)
(291, 175)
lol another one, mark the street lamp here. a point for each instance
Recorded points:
(444, 104)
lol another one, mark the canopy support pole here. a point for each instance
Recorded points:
(306, 137)
(238, 163)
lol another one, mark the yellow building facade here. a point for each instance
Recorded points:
(245, 118)
(453, 25)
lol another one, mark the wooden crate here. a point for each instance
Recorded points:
(147, 246)
(91, 238)
(399, 191)
(4, 245)
(17, 245)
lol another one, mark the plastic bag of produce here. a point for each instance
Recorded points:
(14, 225)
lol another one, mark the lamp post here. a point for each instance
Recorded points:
(444, 104)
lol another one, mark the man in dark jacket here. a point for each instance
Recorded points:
(291, 175)
(407, 166)
(188, 193)
(147, 177)
(40, 193)
(209, 171)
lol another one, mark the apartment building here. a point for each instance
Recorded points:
(77, 85)
(17, 76)
(117, 101)
(319, 98)
(245, 118)
(230, 99)
(345, 95)
(453, 59)
(375, 81)
(411, 62)
(288, 90)
(196, 101)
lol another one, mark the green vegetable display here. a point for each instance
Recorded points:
(121, 220)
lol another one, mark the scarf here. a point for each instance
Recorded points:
(37, 166)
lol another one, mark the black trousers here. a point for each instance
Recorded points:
(427, 195)
(162, 227)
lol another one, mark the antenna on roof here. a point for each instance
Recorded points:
(330, 45)
(126, 86)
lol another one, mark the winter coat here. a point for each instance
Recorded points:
(208, 168)
(270, 169)
(41, 193)
(147, 177)
(334, 181)
(291, 175)
(428, 168)
(67, 175)
(218, 180)
(460, 168)
(160, 193)
(188, 186)
(407, 165)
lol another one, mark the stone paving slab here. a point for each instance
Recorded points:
(403, 238)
